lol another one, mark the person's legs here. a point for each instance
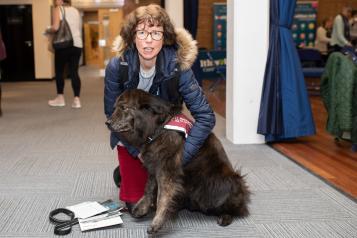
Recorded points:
(60, 62)
(0, 101)
(133, 177)
(73, 66)
(0, 90)
(73, 70)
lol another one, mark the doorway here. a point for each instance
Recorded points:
(17, 33)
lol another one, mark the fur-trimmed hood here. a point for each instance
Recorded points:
(186, 52)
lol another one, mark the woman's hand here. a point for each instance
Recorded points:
(140, 157)
(48, 31)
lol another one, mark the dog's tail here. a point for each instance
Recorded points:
(241, 194)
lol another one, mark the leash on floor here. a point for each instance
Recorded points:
(63, 227)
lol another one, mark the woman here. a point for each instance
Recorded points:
(323, 34)
(353, 28)
(69, 55)
(340, 36)
(2, 57)
(153, 56)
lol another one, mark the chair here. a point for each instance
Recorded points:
(220, 70)
(217, 72)
(312, 66)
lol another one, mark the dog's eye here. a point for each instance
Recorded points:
(125, 109)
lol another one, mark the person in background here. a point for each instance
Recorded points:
(341, 30)
(353, 28)
(2, 57)
(157, 58)
(70, 56)
(323, 35)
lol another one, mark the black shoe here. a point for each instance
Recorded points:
(129, 206)
(117, 177)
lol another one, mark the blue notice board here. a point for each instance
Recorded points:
(219, 25)
(304, 24)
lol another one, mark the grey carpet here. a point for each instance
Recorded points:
(54, 157)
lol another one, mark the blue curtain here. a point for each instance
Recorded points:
(190, 23)
(285, 111)
(270, 115)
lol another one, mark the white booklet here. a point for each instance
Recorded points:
(93, 215)
(103, 220)
(87, 209)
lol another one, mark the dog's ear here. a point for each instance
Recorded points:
(155, 108)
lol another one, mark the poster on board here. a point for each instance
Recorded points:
(304, 23)
(219, 25)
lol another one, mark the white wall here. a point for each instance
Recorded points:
(247, 47)
(41, 18)
(175, 11)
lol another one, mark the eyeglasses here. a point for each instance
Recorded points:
(155, 35)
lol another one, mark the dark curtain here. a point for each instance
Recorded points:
(190, 24)
(270, 115)
(285, 111)
(190, 16)
(162, 3)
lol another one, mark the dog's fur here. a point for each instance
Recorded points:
(208, 183)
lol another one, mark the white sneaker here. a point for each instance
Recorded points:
(57, 102)
(76, 103)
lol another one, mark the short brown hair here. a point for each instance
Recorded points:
(153, 15)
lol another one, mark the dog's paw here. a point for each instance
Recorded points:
(224, 220)
(152, 229)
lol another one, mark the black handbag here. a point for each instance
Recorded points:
(63, 37)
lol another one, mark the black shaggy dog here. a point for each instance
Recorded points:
(207, 184)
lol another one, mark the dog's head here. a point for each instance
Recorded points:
(138, 114)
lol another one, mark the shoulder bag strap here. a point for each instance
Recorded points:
(63, 13)
(123, 71)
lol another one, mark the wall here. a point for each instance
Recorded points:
(41, 18)
(328, 8)
(130, 5)
(175, 11)
(245, 68)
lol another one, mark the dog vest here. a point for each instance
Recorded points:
(180, 123)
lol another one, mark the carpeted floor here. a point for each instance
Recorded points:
(55, 157)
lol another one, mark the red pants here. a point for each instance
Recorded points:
(133, 176)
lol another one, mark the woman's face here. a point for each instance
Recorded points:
(329, 24)
(149, 46)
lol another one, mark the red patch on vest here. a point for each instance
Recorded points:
(180, 123)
